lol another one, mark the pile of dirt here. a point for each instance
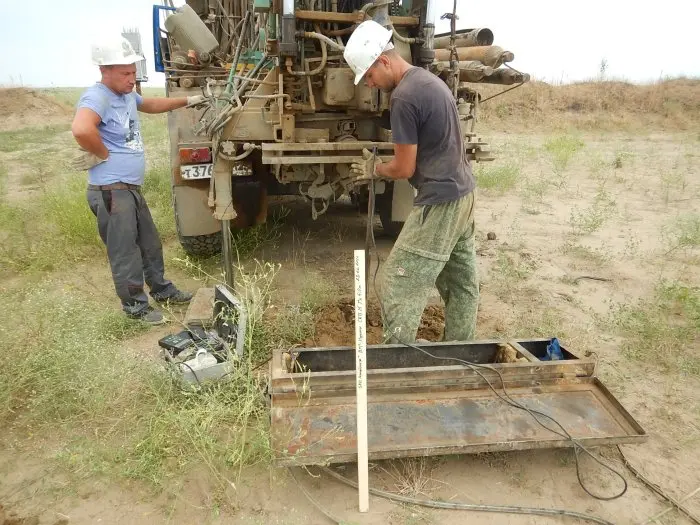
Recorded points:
(335, 324)
(606, 104)
(22, 107)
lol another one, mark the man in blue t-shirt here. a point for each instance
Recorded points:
(107, 128)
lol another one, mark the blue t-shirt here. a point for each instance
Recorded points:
(120, 130)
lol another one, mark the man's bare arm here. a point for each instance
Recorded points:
(86, 133)
(403, 165)
(161, 105)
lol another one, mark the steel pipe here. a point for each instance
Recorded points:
(473, 37)
(506, 76)
(227, 254)
(492, 56)
(469, 71)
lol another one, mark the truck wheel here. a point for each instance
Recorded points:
(202, 245)
(382, 207)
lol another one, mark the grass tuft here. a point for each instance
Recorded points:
(665, 329)
(561, 150)
(592, 218)
(66, 208)
(497, 179)
(684, 233)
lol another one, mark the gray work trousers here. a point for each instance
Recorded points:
(133, 246)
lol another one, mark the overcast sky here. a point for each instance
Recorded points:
(47, 42)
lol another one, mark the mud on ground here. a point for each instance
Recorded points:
(335, 324)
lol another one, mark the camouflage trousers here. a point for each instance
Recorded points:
(434, 249)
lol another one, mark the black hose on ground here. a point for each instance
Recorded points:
(500, 509)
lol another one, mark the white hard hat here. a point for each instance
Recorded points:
(364, 46)
(114, 51)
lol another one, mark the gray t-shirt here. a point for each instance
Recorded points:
(423, 112)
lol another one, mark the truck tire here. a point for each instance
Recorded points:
(201, 245)
(382, 207)
(204, 245)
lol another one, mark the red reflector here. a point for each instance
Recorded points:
(194, 155)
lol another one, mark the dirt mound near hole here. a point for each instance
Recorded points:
(335, 324)
(22, 107)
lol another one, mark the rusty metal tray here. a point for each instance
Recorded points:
(421, 410)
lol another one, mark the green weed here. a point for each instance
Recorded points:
(497, 179)
(293, 324)
(621, 158)
(561, 150)
(316, 292)
(533, 193)
(157, 190)
(154, 131)
(66, 208)
(595, 256)
(43, 235)
(683, 233)
(599, 167)
(632, 245)
(663, 330)
(673, 184)
(592, 218)
(248, 241)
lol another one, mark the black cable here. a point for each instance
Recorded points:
(191, 370)
(313, 500)
(478, 507)
(506, 398)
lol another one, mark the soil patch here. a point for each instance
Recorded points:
(22, 108)
(335, 324)
(10, 518)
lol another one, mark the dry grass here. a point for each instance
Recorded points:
(608, 105)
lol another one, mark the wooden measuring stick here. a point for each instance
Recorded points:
(361, 380)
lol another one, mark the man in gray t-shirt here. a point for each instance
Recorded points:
(436, 245)
(423, 112)
(106, 127)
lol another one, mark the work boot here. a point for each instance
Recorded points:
(148, 315)
(179, 297)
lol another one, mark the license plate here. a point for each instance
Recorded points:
(196, 171)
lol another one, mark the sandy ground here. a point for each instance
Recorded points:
(529, 288)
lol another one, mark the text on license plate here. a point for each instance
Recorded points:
(196, 171)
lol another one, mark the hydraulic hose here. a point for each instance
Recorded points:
(323, 38)
(234, 64)
(322, 64)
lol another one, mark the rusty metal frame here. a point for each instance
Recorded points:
(312, 411)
